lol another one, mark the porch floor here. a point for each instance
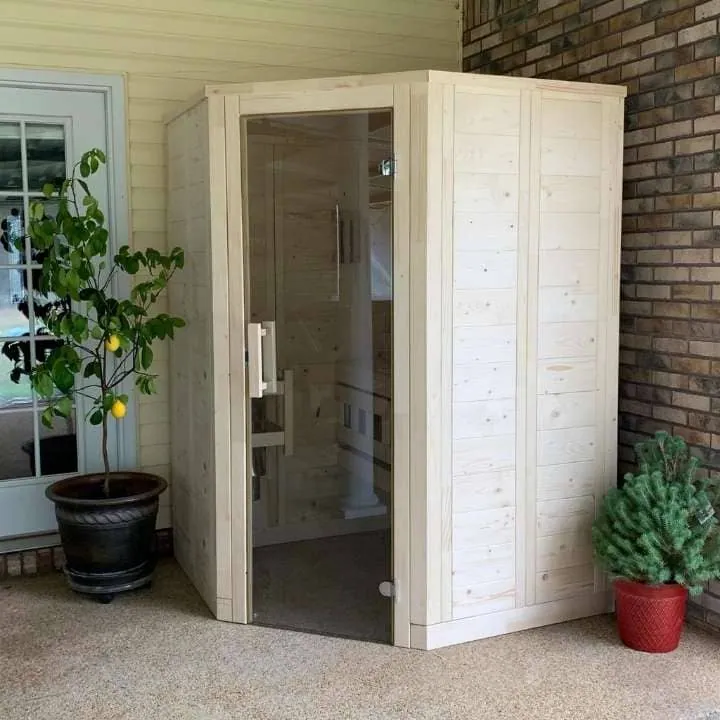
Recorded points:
(158, 654)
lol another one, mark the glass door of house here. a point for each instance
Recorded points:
(42, 133)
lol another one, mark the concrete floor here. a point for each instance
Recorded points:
(158, 654)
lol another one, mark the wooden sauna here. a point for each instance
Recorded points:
(402, 300)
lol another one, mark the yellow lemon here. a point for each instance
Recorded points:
(112, 343)
(118, 409)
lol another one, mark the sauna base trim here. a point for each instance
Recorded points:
(454, 632)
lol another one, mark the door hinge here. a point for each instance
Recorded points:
(388, 167)
(387, 588)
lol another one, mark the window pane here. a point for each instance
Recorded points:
(16, 435)
(12, 230)
(58, 447)
(10, 158)
(13, 304)
(45, 155)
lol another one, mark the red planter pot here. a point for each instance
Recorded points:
(650, 617)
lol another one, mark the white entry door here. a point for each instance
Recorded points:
(43, 132)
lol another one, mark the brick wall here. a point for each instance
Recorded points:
(667, 54)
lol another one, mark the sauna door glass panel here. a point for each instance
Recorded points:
(319, 211)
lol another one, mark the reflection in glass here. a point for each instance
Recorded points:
(12, 231)
(16, 429)
(58, 447)
(45, 155)
(13, 321)
(10, 157)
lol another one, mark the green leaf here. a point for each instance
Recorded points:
(43, 385)
(48, 190)
(84, 168)
(64, 407)
(96, 417)
(93, 369)
(37, 211)
(146, 357)
(62, 376)
(47, 417)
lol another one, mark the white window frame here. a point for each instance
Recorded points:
(113, 90)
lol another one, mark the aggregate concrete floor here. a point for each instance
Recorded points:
(157, 654)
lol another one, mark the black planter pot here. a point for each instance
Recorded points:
(109, 542)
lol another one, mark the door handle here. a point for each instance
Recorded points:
(262, 359)
(269, 357)
(255, 363)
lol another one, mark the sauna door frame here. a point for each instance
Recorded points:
(322, 100)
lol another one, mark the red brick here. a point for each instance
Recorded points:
(699, 293)
(669, 414)
(705, 274)
(654, 117)
(674, 202)
(704, 349)
(672, 274)
(692, 256)
(671, 309)
(670, 380)
(696, 366)
(658, 44)
(659, 221)
(697, 32)
(676, 21)
(654, 257)
(639, 32)
(711, 123)
(708, 9)
(675, 346)
(695, 70)
(652, 292)
(641, 67)
(692, 402)
(655, 151)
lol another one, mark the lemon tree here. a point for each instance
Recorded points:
(105, 340)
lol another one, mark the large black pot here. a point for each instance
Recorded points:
(109, 541)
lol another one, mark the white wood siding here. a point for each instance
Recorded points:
(534, 343)
(486, 193)
(169, 49)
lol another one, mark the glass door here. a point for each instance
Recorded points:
(319, 198)
(42, 133)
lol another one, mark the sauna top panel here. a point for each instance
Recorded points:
(468, 80)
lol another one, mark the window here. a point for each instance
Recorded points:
(31, 155)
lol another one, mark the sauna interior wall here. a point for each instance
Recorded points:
(527, 285)
(297, 169)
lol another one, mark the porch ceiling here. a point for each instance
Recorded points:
(158, 654)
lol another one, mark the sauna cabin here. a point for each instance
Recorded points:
(394, 407)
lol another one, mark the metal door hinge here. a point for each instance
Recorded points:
(388, 167)
(387, 588)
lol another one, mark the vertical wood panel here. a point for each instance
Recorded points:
(419, 500)
(534, 201)
(237, 254)
(402, 369)
(489, 213)
(446, 320)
